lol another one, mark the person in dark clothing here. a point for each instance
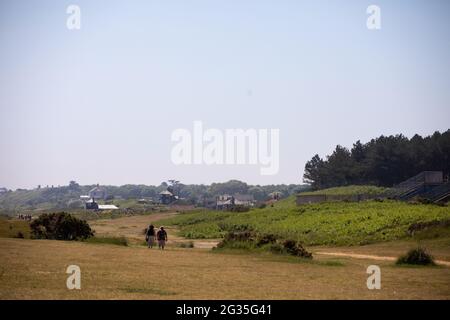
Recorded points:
(161, 235)
(150, 236)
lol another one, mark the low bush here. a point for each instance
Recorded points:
(239, 208)
(60, 226)
(234, 239)
(296, 249)
(276, 248)
(239, 236)
(418, 256)
(266, 239)
(250, 240)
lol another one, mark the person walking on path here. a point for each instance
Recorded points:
(150, 236)
(161, 235)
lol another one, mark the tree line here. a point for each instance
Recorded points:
(383, 161)
(63, 197)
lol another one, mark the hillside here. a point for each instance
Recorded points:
(349, 190)
(337, 223)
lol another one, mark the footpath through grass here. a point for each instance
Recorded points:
(337, 223)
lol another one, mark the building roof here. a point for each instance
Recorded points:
(165, 192)
(107, 207)
(224, 202)
(97, 189)
(244, 197)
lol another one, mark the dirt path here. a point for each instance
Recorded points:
(370, 257)
(133, 229)
(130, 227)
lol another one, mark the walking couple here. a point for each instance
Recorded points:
(161, 236)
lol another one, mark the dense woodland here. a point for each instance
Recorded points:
(384, 161)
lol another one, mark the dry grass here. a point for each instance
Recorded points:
(35, 269)
(440, 248)
(133, 227)
(9, 228)
(130, 227)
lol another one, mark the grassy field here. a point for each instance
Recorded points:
(117, 265)
(336, 223)
(10, 228)
(35, 269)
(349, 190)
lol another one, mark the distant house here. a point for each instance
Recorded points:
(91, 205)
(245, 200)
(98, 193)
(107, 207)
(167, 197)
(226, 202)
(275, 196)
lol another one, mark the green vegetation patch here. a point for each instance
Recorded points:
(336, 223)
(60, 226)
(418, 256)
(349, 190)
(10, 228)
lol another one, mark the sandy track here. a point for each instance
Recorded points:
(130, 227)
(371, 257)
(133, 229)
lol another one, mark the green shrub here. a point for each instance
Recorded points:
(418, 256)
(239, 236)
(238, 240)
(265, 239)
(60, 226)
(296, 249)
(250, 240)
(239, 208)
(277, 248)
(237, 227)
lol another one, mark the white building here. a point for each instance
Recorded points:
(97, 193)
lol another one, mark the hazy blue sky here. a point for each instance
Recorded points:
(100, 104)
